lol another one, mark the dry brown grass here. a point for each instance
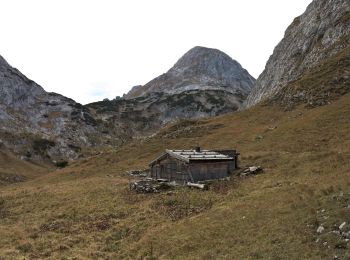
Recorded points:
(87, 211)
(13, 170)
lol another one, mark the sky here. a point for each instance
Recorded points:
(89, 50)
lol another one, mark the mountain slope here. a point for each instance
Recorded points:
(43, 126)
(87, 211)
(315, 48)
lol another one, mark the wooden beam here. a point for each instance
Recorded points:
(196, 185)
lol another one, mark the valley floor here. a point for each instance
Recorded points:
(86, 211)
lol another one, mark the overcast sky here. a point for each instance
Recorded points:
(90, 50)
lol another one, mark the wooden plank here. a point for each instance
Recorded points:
(196, 185)
(190, 174)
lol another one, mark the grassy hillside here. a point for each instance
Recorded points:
(86, 210)
(13, 170)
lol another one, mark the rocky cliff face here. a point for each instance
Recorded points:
(41, 125)
(199, 69)
(312, 62)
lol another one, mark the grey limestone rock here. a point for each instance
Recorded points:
(318, 35)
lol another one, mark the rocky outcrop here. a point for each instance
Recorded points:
(312, 62)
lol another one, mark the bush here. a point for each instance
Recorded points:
(2, 205)
(41, 145)
(25, 247)
(61, 164)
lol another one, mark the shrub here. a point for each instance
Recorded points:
(2, 206)
(41, 145)
(25, 247)
(61, 164)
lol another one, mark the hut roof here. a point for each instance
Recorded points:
(193, 155)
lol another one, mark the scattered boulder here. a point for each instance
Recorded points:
(320, 229)
(259, 137)
(270, 128)
(342, 225)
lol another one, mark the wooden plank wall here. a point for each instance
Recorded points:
(209, 170)
(179, 171)
(171, 169)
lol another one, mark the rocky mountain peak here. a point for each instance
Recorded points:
(202, 60)
(204, 82)
(199, 68)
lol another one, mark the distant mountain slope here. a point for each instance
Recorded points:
(146, 114)
(312, 62)
(200, 69)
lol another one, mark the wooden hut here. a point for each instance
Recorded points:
(194, 165)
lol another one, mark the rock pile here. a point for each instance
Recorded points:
(333, 230)
(139, 173)
(148, 186)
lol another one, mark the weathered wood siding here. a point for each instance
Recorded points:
(231, 166)
(171, 169)
(201, 171)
